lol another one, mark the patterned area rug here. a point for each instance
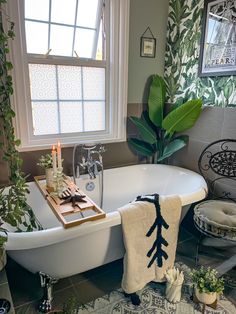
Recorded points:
(153, 301)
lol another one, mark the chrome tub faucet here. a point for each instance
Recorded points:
(88, 161)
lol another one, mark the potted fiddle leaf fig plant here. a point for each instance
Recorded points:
(207, 285)
(157, 129)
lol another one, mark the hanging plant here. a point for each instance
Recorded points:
(14, 210)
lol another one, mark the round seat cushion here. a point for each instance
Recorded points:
(217, 218)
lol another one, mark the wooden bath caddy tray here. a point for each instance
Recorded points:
(68, 215)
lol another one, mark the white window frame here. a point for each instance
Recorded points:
(116, 84)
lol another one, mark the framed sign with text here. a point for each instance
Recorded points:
(218, 42)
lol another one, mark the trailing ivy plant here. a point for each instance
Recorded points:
(157, 130)
(14, 210)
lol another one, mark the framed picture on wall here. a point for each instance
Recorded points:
(148, 47)
(218, 42)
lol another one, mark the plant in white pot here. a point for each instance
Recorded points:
(207, 285)
(46, 163)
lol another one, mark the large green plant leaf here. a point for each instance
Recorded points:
(156, 100)
(141, 147)
(146, 132)
(183, 117)
(172, 147)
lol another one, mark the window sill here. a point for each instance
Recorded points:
(50, 142)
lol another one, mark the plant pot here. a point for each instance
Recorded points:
(49, 177)
(3, 258)
(204, 297)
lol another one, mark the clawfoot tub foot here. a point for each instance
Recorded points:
(47, 283)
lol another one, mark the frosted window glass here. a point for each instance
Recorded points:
(43, 81)
(36, 37)
(37, 10)
(94, 83)
(94, 116)
(71, 117)
(61, 40)
(69, 82)
(63, 11)
(45, 118)
(84, 40)
(87, 13)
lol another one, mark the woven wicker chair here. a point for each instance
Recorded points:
(215, 217)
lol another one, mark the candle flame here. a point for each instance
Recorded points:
(53, 147)
(58, 144)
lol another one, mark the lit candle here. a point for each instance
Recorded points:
(54, 159)
(59, 155)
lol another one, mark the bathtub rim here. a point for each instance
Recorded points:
(46, 237)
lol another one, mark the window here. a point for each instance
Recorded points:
(70, 70)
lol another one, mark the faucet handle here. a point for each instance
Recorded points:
(102, 149)
(83, 163)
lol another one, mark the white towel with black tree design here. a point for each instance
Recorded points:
(150, 231)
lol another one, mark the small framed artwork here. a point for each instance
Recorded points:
(148, 47)
(218, 42)
(148, 44)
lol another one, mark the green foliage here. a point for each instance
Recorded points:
(156, 100)
(182, 56)
(146, 132)
(183, 117)
(14, 210)
(45, 161)
(206, 280)
(157, 135)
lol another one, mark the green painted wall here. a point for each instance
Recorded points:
(144, 13)
(181, 60)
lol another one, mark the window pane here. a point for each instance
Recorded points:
(94, 83)
(99, 53)
(71, 117)
(43, 81)
(36, 37)
(87, 13)
(69, 82)
(84, 40)
(61, 40)
(45, 118)
(37, 10)
(67, 99)
(63, 11)
(94, 116)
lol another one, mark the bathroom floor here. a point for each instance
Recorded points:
(92, 284)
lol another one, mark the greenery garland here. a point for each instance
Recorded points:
(14, 210)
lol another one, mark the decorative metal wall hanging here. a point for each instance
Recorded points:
(148, 44)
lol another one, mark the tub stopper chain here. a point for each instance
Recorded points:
(47, 283)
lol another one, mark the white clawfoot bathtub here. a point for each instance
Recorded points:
(63, 252)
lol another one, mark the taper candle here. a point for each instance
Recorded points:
(59, 155)
(54, 159)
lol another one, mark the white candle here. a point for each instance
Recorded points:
(59, 155)
(54, 159)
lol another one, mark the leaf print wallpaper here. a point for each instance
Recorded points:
(181, 59)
